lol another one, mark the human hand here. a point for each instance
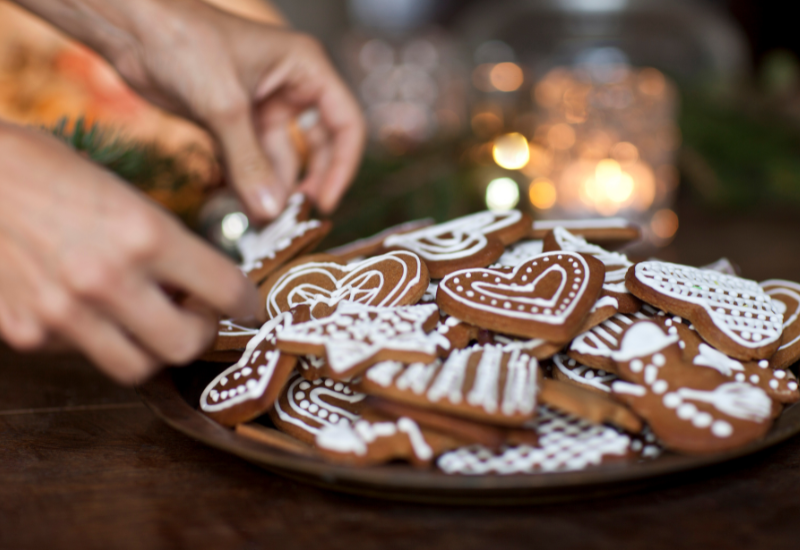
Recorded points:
(85, 258)
(247, 82)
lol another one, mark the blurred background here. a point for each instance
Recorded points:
(655, 111)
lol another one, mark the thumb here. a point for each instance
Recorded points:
(249, 170)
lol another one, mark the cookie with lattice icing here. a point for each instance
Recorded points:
(249, 388)
(306, 407)
(779, 384)
(394, 279)
(369, 246)
(290, 234)
(616, 264)
(476, 240)
(595, 346)
(484, 383)
(547, 297)
(566, 443)
(592, 406)
(356, 337)
(690, 409)
(785, 297)
(605, 231)
(375, 439)
(569, 370)
(732, 314)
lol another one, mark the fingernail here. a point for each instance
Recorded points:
(268, 203)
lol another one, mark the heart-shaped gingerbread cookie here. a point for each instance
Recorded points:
(394, 279)
(548, 297)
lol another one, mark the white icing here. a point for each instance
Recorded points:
(592, 223)
(709, 357)
(723, 265)
(346, 438)
(455, 239)
(603, 339)
(617, 264)
(341, 438)
(600, 380)
(383, 373)
(520, 253)
(229, 328)
(420, 447)
(565, 443)
(777, 287)
(605, 301)
(355, 332)
(493, 288)
(277, 236)
(325, 412)
(642, 339)
(236, 379)
(738, 307)
(734, 399)
(363, 283)
(620, 386)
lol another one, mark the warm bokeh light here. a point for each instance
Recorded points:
(624, 152)
(486, 124)
(664, 223)
(506, 77)
(651, 82)
(561, 136)
(511, 151)
(542, 193)
(540, 162)
(481, 79)
(502, 194)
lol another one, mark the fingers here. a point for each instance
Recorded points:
(276, 140)
(188, 263)
(251, 174)
(319, 161)
(172, 334)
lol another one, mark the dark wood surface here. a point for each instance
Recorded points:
(84, 464)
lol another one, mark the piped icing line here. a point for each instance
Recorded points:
(456, 239)
(228, 328)
(603, 339)
(362, 283)
(214, 400)
(775, 287)
(305, 401)
(277, 236)
(617, 264)
(496, 285)
(596, 378)
(356, 438)
(355, 333)
(592, 223)
(566, 443)
(738, 307)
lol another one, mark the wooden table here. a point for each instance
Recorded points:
(84, 464)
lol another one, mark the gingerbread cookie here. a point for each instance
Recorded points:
(785, 297)
(617, 265)
(733, 314)
(483, 383)
(357, 336)
(780, 385)
(304, 407)
(310, 367)
(476, 240)
(690, 409)
(547, 297)
(455, 334)
(566, 443)
(370, 246)
(605, 231)
(569, 370)
(536, 347)
(592, 406)
(390, 280)
(603, 309)
(233, 335)
(376, 440)
(519, 253)
(595, 346)
(249, 388)
(289, 235)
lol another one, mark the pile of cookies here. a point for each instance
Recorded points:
(494, 344)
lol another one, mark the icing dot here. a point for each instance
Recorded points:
(754, 379)
(740, 377)
(720, 428)
(313, 407)
(470, 294)
(702, 420)
(660, 387)
(497, 279)
(575, 287)
(779, 374)
(546, 258)
(299, 396)
(521, 308)
(468, 275)
(763, 363)
(571, 294)
(338, 386)
(494, 302)
(456, 280)
(460, 288)
(686, 411)
(672, 400)
(304, 385)
(333, 417)
(317, 382)
(773, 384)
(659, 360)
(305, 404)
(792, 386)
(529, 270)
(637, 365)
(247, 371)
(224, 394)
(323, 413)
(682, 344)
(524, 277)
(483, 298)
(507, 305)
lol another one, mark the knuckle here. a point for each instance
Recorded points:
(57, 309)
(94, 278)
(226, 105)
(141, 235)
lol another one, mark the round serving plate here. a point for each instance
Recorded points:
(174, 394)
